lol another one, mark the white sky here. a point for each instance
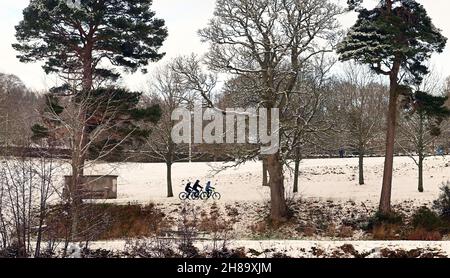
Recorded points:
(183, 19)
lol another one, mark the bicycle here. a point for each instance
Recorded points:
(193, 195)
(184, 196)
(212, 194)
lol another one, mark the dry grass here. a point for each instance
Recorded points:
(345, 232)
(386, 232)
(109, 221)
(423, 234)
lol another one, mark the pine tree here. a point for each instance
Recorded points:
(80, 40)
(83, 39)
(395, 39)
(117, 111)
(86, 42)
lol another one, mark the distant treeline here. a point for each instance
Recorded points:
(34, 152)
(128, 156)
(136, 156)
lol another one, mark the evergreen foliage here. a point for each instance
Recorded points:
(405, 34)
(124, 33)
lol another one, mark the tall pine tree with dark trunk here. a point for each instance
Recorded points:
(395, 39)
(80, 40)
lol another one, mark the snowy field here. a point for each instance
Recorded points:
(330, 179)
(334, 181)
(310, 248)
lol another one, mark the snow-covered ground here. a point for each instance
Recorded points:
(330, 179)
(310, 248)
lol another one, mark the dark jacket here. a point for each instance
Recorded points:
(197, 186)
(188, 187)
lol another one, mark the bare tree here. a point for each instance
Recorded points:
(420, 126)
(272, 40)
(304, 123)
(362, 99)
(167, 89)
(242, 91)
(26, 189)
(445, 138)
(16, 104)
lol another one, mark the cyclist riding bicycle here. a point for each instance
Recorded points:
(188, 188)
(209, 188)
(196, 187)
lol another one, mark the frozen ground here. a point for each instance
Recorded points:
(330, 179)
(314, 249)
(328, 188)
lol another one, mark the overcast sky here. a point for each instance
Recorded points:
(183, 19)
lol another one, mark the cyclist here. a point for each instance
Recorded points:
(209, 188)
(197, 186)
(188, 188)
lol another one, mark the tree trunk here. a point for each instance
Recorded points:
(3, 228)
(169, 180)
(421, 149)
(79, 152)
(278, 208)
(265, 181)
(296, 169)
(385, 200)
(74, 194)
(361, 167)
(420, 167)
(37, 251)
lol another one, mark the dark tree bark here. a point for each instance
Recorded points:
(297, 169)
(420, 167)
(385, 200)
(421, 150)
(361, 166)
(265, 180)
(169, 180)
(278, 209)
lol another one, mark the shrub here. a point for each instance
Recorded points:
(350, 249)
(426, 219)
(309, 231)
(380, 219)
(345, 232)
(225, 253)
(424, 234)
(98, 254)
(188, 250)
(150, 248)
(108, 221)
(12, 251)
(385, 231)
(279, 255)
(442, 204)
(415, 253)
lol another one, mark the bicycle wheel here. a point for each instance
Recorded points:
(183, 196)
(195, 196)
(216, 196)
(204, 196)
